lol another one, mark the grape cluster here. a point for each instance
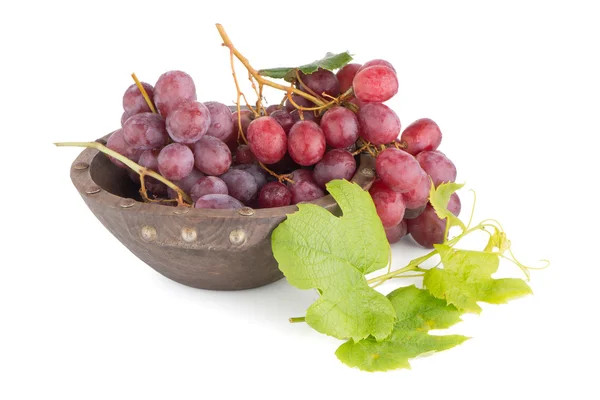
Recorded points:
(289, 152)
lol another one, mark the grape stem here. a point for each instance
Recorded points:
(272, 173)
(182, 200)
(144, 93)
(297, 319)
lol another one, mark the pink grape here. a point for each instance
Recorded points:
(398, 169)
(378, 62)
(428, 229)
(418, 197)
(378, 123)
(221, 123)
(284, 119)
(172, 89)
(375, 84)
(133, 100)
(340, 127)
(186, 183)
(243, 154)
(388, 204)
(346, 75)
(438, 166)
(306, 143)
(299, 100)
(321, 81)
(124, 117)
(212, 156)
(188, 122)
(208, 185)
(272, 108)
(336, 164)
(241, 184)
(421, 135)
(145, 131)
(175, 161)
(305, 191)
(117, 143)
(218, 202)
(267, 140)
(274, 194)
(257, 173)
(395, 233)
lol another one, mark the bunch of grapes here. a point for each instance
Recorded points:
(286, 154)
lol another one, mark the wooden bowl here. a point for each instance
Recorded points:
(202, 248)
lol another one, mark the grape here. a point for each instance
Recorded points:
(208, 185)
(378, 123)
(117, 143)
(186, 183)
(241, 184)
(414, 213)
(247, 116)
(133, 100)
(438, 166)
(336, 164)
(299, 100)
(124, 117)
(267, 140)
(428, 229)
(418, 197)
(321, 81)
(284, 119)
(399, 170)
(175, 161)
(306, 143)
(395, 233)
(421, 135)
(375, 84)
(340, 127)
(149, 159)
(378, 62)
(388, 204)
(145, 131)
(221, 123)
(308, 116)
(274, 194)
(305, 191)
(358, 103)
(346, 75)
(272, 108)
(300, 175)
(212, 156)
(188, 122)
(257, 173)
(243, 154)
(172, 89)
(218, 201)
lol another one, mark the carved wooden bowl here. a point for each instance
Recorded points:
(202, 248)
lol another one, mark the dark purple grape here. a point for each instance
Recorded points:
(212, 156)
(428, 229)
(421, 135)
(306, 143)
(188, 122)
(395, 233)
(340, 127)
(399, 170)
(272, 108)
(172, 89)
(299, 100)
(257, 172)
(175, 161)
(303, 191)
(243, 155)
(221, 123)
(438, 166)
(208, 185)
(133, 100)
(378, 123)
(218, 202)
(284, 119)
(267, 140)
(246, 117)
(346, 75)
(274, 194)
(336, 164)
(301, 175)
(241, 184)
(145, 131)
(308, 116)
(321, 81)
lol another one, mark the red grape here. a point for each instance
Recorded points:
(208, 185)
(299, 100)
(321, 81)
(375, 84)
(301, 175)
(246, 116)
(117, 143)
(422, 135)
(172, 89)
(274, 194)
(284, 119)
(428, 229)
(336, 164)
(243, 154)
(188, 122)
(340, 127)
(134, 102)
(308, 116)
(175, 161)
(272, 108)
(414, 213)
(395, 233)
(306, 143)
(267, 140)
(398, 169)
(212, 156)
(418, 197)
(218, 201)
(378, 123)
(305, 191)
(378, 62)
(438, 166)
(124, 117)
(145, 131)
(221, 123)
(257, 173)
(346, 75)
(388, 204)
(186, 183)
(241, 184)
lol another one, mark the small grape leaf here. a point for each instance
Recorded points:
(417, 312)
(316, 249)
(467, 278)
(330, 62)
(439, 198)
(498, 240)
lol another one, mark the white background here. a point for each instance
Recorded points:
(515, 88)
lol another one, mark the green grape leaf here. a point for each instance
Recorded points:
(439, 198)
(417, 312)
(330, 62)
(467, 278)
(316, 249)
(498, 240)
